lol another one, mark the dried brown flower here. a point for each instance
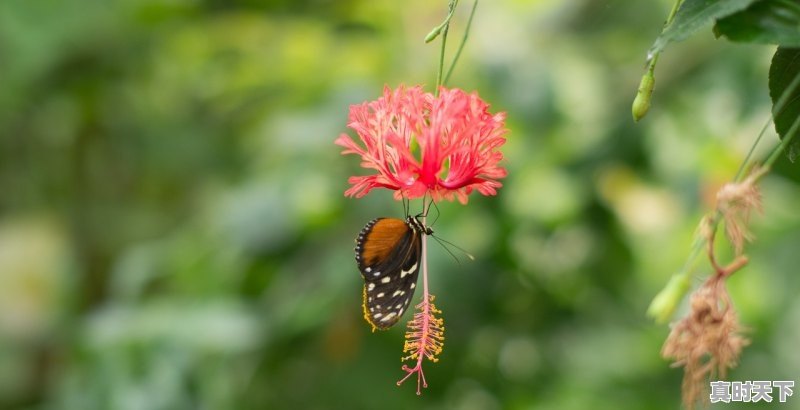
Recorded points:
(736, 201)
(707, 342)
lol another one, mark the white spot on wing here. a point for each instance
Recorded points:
(376, 273)
(386, 279)
(397, 292)
(370, 286)
(368, 269)
(413, 285)
(377, 315)
(403, 273)
(380, 295)
(388, 317)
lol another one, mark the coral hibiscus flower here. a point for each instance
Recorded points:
(445, 146)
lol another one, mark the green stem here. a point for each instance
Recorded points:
(438, 29)
(785, 143)
(700, 244)
(651, 65)
(641, 103)
(463, 42)
(443, 29)
(671, 16)
(663, 305)
(743, 166)
(441, 63)
(777, 108)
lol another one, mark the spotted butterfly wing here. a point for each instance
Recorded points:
(388, 252)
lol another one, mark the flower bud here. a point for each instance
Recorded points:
(641, 104)
(664, 304)
(433, 34)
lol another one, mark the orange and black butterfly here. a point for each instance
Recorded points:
(388, 252)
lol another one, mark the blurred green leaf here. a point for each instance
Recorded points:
(194, 248)
(784, 77)
(692, 16)
(766, 21)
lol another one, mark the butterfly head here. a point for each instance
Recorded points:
(418, 226)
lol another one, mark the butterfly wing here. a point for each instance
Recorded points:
(388, 253)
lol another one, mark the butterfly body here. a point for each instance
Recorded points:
(388, 253)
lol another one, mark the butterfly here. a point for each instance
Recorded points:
(388, 253)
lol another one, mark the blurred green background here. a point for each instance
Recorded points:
(174, 235)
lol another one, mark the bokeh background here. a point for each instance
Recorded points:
(174, 235)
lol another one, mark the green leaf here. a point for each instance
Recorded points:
(767, 21)
(692, 16)
(784, 78)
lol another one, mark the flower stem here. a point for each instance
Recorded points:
(463, 42)
(443, 28)
(426, 307)
(663, 305)
(425, 335)
(424, 261)
(777, 108)
(785, 143)
(641, 103)
(743, 166)
(675, 7)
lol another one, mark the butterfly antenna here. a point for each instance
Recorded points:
(424, 212)
(444, 244)
(438, 213)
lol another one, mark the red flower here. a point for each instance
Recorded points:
(456, 136)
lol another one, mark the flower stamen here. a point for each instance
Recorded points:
(424, 339)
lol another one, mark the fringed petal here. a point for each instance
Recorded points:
(419, 144)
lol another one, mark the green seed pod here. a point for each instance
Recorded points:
(641, 104)
(664, 304)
